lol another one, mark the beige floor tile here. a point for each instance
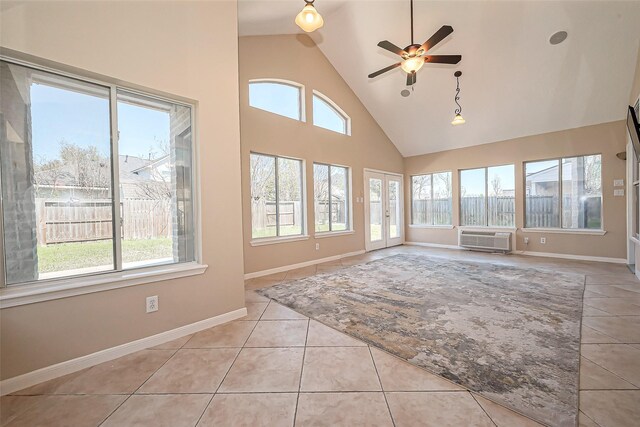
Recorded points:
(448, 408)
(253, 296)
(64, 411)
(635, 287)
(265, 370)
(277, 311)
(342, 410)
(612, 291)
(323, 336)
(399, 375)
(615, 306)
(49, 387)
(279, 333)
(611, 408)
(173, 344)
(255, 310)
(192, 371)
(612, 279)
(594, 377)
(620, 359)
(160, 410)
(264, 281)
(300, 273)
(589, 294)
(591, 336)
(330, 267)
(251, 410)
(233, 334)
(624, 329)
(12, 406)
(504, 417)
(120, 376)
(339, 369)
(591, 312)
(584, 421)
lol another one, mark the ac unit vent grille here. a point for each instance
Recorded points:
(486, 240)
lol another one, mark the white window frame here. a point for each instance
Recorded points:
(261, 241)
(301, 101)
(445, 226)
(347, 120)
(588, 231)
(486, 198)
(349, 230)
(63, 287)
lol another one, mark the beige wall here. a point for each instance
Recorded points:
(188, 49)
(296, 58)
(607, 139)
(635, 88)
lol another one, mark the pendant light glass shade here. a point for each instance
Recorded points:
(309, 19)
(458, 120)
(410, 65)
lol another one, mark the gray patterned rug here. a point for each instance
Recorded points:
(511, 334)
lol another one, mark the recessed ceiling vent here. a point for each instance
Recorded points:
(558, 37)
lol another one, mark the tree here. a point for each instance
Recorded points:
(496, 185)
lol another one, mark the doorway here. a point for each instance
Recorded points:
(383, 209)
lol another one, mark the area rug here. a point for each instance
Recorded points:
(511, 334)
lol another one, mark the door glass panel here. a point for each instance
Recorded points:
(375, 209)
(394, 209)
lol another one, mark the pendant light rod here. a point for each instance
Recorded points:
(457, 74)
(412, 22)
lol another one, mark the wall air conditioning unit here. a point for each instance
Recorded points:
(485, 240)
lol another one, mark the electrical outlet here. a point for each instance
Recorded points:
(317, 246)
(526, 240)
(152, 304)
(543, 240)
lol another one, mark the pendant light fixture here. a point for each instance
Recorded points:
(458, 120)
(309, 19)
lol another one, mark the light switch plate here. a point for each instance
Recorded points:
(618, 182)
(618, 192)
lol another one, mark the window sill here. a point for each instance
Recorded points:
(485, 228)
(565, 231)
(442, 227)
(13, 296)
(276, 240)
(325, 234)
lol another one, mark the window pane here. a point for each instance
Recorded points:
(55, 151)
(321, 197)
(442, 198)
(155, 181)
(339, 199)
(289, 197)
(375, 209)
(327, 117)
(472, 197)
(394, 209)
(542, 194)
(502, 196)
(278, 98)
(263, 196)
(581, 192)
(421, 200)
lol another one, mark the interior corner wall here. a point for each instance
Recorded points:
(297, 58)
(635, 87)
(606, 139)
(184, 48)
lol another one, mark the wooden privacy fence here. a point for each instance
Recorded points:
(90, 220)
(263, 214)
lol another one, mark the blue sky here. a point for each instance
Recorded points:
(82, 119)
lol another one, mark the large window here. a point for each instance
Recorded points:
(277, 208)
(331, 197)
(431, 202)
(487, 196)
(57, 164)
(327, 115)
(564, 193)
(284, 99)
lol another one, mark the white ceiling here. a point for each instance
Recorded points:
(514, 82)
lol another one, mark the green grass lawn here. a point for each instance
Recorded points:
(69, 256)
(286, 230)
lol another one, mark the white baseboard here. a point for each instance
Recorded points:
(573, 257)
(433, 245)
(299, 265)
(29, 379)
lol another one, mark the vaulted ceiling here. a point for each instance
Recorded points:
(514, 82)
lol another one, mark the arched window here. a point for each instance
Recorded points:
(278, 96)
(327, 115)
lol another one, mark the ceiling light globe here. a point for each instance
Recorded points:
(458, 120)
(412, 64)
(309, 19)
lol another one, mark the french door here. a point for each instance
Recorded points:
(383, 210)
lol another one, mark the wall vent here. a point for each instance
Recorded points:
(485, 240)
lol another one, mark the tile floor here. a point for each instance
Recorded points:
(276, 367)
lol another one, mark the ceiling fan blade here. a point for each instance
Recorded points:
(386, 44)
(437, 37)
(384, 70)
(443, 59)
(411, 78)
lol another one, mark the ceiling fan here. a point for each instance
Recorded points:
(413, 56)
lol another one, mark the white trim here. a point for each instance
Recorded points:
(12, 296)
(433, 245)
(565, 231)
(29, 379)
(340, 111)
(255, 274)
(275, 240)
(299, 86)
(325, 234)
(574, 257)
(486, 228)
(383, 172)
(443, 227)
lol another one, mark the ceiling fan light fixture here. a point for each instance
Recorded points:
(412, 64)
(309, 19)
